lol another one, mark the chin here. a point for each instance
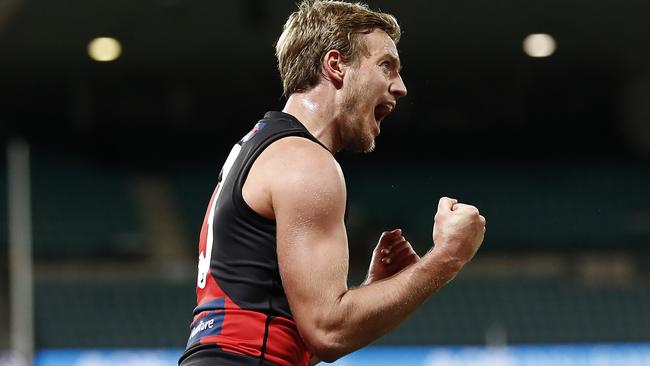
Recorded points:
(370, 148)
(363, 144)
(360, 139)
(367, 141)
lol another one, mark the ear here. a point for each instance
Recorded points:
(333, 68)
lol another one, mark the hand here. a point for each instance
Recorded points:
(392, 254)
(458, 230)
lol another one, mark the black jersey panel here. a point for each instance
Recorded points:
(244, 259)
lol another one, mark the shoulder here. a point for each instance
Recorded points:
(305, 175)
(299, 157)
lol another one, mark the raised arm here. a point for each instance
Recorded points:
(308, 202)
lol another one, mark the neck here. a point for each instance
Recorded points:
(315, 109)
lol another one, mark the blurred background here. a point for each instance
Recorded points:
(536, 112)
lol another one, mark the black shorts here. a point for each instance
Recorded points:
(212, 356)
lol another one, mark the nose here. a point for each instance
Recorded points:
(398, 88)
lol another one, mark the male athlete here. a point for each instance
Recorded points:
(273, 254)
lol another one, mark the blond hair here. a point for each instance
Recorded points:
(319, 26)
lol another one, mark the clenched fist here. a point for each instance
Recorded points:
(458, 230)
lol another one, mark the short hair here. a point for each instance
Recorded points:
(319, 26)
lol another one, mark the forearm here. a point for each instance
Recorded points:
(361, 315)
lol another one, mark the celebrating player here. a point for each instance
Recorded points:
(273, 254)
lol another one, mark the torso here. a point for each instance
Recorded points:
(242, 307)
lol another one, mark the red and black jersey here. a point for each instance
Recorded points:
(241, 305)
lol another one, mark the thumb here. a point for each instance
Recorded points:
(446, 204)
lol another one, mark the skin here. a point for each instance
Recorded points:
(308, 199)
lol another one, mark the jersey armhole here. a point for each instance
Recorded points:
(238, 194)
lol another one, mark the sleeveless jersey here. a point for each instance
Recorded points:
(241, 305)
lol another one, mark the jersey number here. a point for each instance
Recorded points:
(204, 258)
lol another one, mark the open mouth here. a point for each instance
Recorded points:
(382, 110)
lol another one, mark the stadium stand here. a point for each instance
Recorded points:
(545, 207)
(82, 211)
(528, 311)
(112, 314)
(534, 310)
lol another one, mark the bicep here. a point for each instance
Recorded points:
(313, 260)
(312, 243)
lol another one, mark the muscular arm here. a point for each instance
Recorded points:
(308, 202)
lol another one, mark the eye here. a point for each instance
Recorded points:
(386, 64)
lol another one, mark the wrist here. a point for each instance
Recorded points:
(448, 264)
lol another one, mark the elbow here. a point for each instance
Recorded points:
(326, 350)
(328, 331)
(327, 345)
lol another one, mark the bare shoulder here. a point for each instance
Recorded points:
(300, 153)
(307, 177)
(291, 172)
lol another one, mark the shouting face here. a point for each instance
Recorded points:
(370, 91)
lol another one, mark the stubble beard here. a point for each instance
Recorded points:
(356, 134)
